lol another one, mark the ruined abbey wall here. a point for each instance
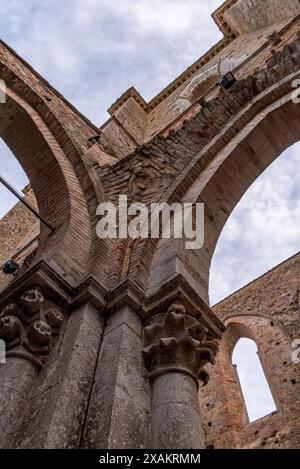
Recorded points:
(268, 312)
(112, 343)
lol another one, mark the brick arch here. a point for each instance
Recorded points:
(221, 183)
(221, 159)
(59, 195)
(236, 331)
(74, 250)
(197, 87)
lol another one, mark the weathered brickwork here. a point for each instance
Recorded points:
(138, 337)
(268, 312)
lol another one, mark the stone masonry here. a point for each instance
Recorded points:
(112, 343)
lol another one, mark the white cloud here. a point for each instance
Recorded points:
(263, 229)
(166, 17)
(93, 50)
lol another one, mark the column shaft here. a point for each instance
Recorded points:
(120, 406)
(58, 405)
(17, 376)
(176, 421)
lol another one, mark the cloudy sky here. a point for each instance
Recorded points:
(93, 50)
(257, 394)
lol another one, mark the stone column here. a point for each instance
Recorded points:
(120, 404)
(16, 378)
(59, 401)
(27, 328)
(176, 348)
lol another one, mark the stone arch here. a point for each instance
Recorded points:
(59, 194)
(197, 87)
(221, 136)
(207, 78)
(221, 173)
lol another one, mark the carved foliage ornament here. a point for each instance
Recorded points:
(29, 326)
(179, 343)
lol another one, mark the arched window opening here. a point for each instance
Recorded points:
(262, 231)
(11, 170)
(20, 228)
(196, 89)
(254, 385)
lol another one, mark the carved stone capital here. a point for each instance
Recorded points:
(178, 342)
(29, 326)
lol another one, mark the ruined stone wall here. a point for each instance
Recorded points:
(111, 299)
(266, 311)
(153, 167)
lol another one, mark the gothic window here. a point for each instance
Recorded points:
(254, 385)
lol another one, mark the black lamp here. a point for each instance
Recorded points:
(227, 81)
(10, 267)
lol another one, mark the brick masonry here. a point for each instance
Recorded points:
(268, 312)
(120, 300)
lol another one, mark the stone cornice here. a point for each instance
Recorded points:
(218, 17)
(56, 288)
(50, 87)
(253, 283)
(186, 75)
(127, 293)
(130, 93)
(92, 291)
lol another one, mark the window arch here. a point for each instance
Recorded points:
(255, 389)
(197, 87)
